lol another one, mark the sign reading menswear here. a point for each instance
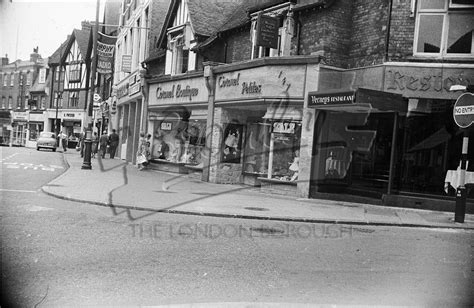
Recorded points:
(105, 53)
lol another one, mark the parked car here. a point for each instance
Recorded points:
(46, 140)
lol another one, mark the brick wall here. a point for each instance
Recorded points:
(369, 31)
(239, 46)
(402, 31)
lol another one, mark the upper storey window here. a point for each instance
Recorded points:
(444, 28)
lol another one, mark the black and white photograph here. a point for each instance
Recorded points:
(237, 153)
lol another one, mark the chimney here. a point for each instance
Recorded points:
(35, 55)
(86, 25)
(5, 60)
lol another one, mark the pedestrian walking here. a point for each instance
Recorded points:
(142, 152)
(95, 144)
(103, 142)
(113, 143)
(63, 137)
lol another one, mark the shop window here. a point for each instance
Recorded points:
(231, 151)
(43, 102)
(284, 151)
(179, 141)
(35, 129)
(444, 29)
(257, 147)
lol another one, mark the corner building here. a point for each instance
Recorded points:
(354, 103)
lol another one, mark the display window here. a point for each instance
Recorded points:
(35, 129)
(179, 141)
(284, 153)
(257, 147)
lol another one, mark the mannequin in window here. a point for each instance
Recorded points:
(294, 166)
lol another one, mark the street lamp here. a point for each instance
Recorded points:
(58, 97)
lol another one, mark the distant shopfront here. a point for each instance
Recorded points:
(129, 116)
(394, 141)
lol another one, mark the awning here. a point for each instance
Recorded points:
(284, 113)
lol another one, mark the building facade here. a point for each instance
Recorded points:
(140, 21)
(23, 97)
(342, 100)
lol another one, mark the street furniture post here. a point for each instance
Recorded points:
(87, 148)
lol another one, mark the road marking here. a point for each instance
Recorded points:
(19, 190)
(15, 165)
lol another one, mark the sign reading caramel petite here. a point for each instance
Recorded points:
(463, 111)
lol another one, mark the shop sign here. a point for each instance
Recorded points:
(316, 99)
(463, 111)
(20, 115)
(284, 127)
(426, 81)
(126, 63)
(278, 82)
(267, 31)
(177, 91)
(166, 125)
(122, 90)
(135, 84)
(71, 115)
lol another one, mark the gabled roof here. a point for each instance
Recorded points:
(206, 16)
(84, 42)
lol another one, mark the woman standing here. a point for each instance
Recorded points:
(142, 152)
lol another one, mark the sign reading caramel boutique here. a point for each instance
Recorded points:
(181, 91)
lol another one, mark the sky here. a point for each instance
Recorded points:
(27, 24)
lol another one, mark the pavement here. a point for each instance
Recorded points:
(115, 183)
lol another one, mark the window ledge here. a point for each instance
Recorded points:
(276, 181)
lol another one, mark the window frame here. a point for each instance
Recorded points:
(447, 12)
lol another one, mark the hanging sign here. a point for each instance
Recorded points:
(105, 53)
(267, 31)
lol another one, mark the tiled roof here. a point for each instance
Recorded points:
(207, 16)
(54, 58)
(83, 38)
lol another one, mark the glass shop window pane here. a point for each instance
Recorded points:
(429, 34)
(460, 33)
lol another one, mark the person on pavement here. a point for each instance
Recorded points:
(113, 143)
(103, 141)
(63, 137)
(95, 144)
(142, 152)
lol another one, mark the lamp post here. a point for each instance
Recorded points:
(88, 140)
(58, 97)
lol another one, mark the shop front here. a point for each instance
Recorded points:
(129, 117)
(396, 142)
(257, 128)
(20, 128)
(5, 127)
(177, 113)
(35, 127)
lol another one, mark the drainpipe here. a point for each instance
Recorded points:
(387, 38)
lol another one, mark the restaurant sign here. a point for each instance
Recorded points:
(318, 99)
